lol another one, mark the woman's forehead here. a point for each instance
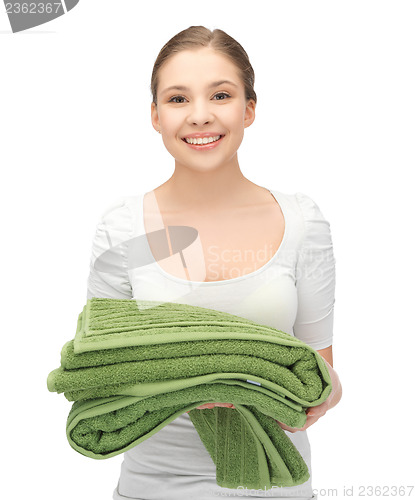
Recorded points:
(198, 69)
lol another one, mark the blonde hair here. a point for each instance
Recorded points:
(196, 37)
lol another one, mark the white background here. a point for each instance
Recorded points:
(335, 120)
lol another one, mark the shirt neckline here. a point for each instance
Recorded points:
(277, 198)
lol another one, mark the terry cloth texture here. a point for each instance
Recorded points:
(134, 366)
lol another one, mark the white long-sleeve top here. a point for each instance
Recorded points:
(293, 292)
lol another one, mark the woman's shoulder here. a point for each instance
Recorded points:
(301, 203)
(120, 205)
(306, 218)
(119, 215)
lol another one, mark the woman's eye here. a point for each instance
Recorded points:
(222, 94)
(176, 97)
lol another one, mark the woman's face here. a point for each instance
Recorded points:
(200, 102)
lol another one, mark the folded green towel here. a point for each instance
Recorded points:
(134, 366)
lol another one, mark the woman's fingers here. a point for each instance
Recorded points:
(212, 405)
(313, 414)
(286, 428)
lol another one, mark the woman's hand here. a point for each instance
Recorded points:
(315, 412)
(212, 405)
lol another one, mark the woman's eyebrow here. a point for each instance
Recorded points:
(213, 84)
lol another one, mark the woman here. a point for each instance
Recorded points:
(258, 253)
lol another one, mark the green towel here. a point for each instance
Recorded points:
(134, 366)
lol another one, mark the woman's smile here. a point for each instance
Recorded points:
(203, 144)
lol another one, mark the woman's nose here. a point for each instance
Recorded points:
(200, 113)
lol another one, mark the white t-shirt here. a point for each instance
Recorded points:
(293, 292)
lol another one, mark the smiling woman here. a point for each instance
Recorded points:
(203, 99)
(212, 92)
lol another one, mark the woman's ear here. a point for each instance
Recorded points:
(249, 113)
(155, 117)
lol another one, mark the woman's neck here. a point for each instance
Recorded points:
(207, 191)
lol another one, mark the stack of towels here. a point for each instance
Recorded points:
(134, 366)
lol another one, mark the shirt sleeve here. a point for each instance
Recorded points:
(315, 278)
(108, 274)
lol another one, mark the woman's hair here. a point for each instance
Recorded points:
(196, 37)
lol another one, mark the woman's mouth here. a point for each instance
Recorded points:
(205, 143)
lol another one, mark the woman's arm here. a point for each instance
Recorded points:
(113, 229)
(336, 392)
(315, 283)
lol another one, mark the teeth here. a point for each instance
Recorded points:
(199, 140)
